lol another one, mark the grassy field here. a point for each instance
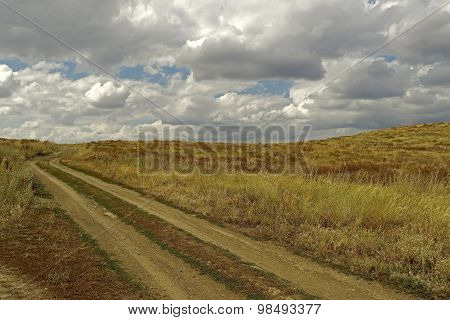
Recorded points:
(44, 245)
(375, 204)
(377, 156)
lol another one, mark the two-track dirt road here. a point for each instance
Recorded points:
(144, 260)
(126, 243)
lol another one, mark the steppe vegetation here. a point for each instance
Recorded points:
(374, 204)
(16, 181)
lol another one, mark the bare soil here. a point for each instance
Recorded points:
(14, 287)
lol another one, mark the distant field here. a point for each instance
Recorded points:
(375, 204)
(372, 156)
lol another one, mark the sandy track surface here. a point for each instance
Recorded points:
(304, 273)
(14, 287)
(144, 260)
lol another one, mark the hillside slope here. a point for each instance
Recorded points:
(377, 155)
(376, 206)
(414, 149)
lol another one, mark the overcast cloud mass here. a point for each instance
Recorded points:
(220, 62)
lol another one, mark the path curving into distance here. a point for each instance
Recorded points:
(310, 276)
(144, 260)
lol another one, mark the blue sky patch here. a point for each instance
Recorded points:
(172, 70)
(68, 71)
(15, 64)
(389, 58)
(132, 73)
(270, 87)
(161, 77)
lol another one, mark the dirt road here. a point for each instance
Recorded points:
(154, 267)
(312, 277)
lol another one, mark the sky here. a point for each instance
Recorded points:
(319, 63)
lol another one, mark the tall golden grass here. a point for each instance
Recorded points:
(16, 180)
(377, 203)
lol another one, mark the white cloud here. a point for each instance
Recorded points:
(228, 46)
(107, 95)
(7, 81)
(5, 110)
(31, 124)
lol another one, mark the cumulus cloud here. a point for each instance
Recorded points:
(237, 108)
(231, 59)
(7, 81)
(438, 75)
(5, 110)
(375, 80)
(111, 32)
(425, 44)
(229, 48)
(107, 95)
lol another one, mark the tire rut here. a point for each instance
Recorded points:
(144, 260)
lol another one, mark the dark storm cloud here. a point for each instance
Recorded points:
(108, 31)
(374, 81)
(231, 59)
(292, 47)
(439, 75)
(427, 43)
(333, 29)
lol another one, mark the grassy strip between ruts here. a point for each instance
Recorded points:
(209, 259)
(53, 251)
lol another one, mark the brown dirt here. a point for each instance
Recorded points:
(144, 260)
(311, 276)
(37, 251)
(14, 287)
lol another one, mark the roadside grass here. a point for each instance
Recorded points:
(25, 149)
(209, 259)
(41, 241)
(16, 180)
(377, 205)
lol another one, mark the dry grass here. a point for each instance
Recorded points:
(16, 181)
(376, 156)
(384, 154)
(377, 204)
